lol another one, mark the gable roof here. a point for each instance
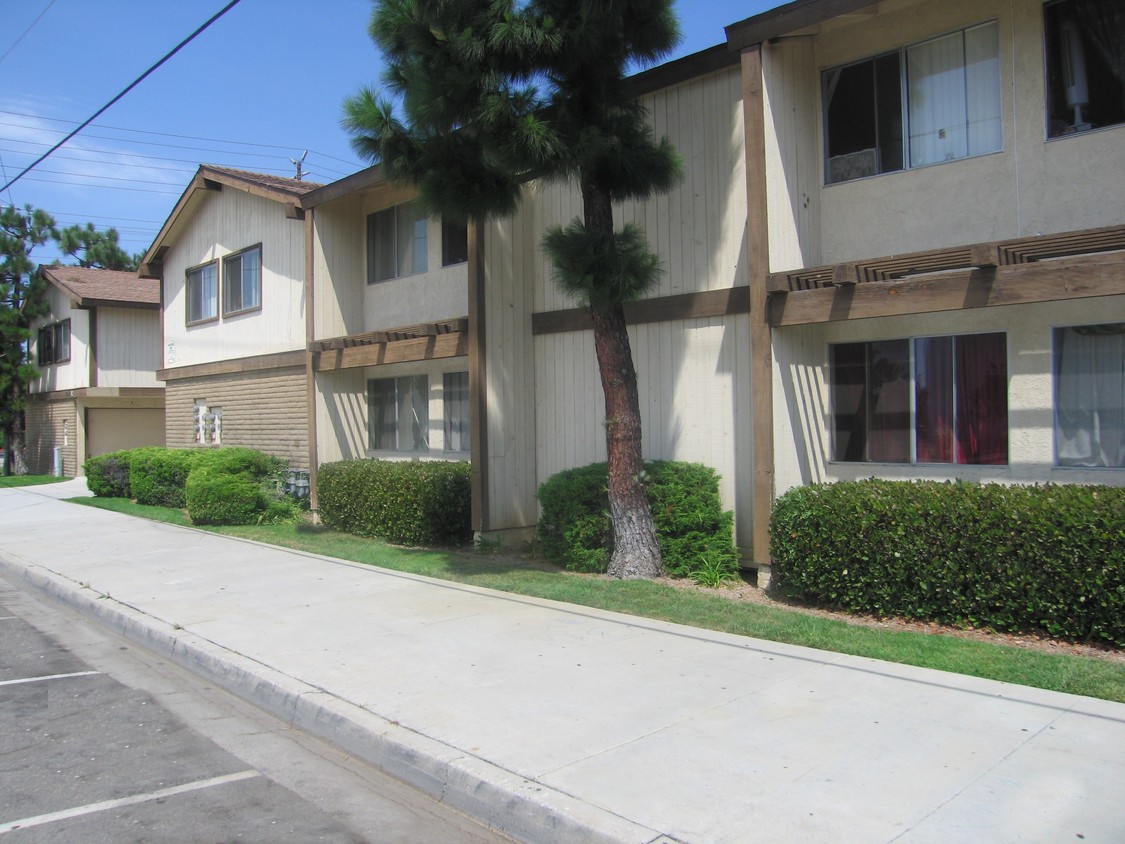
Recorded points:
(211, 178)
(89, 287)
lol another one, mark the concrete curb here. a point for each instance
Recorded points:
(513, 805)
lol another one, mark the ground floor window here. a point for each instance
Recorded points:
(399, 418)
(1090, 396)
(455, 410)
(926, 400)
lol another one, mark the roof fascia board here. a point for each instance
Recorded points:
(367, 178)
(788, 18)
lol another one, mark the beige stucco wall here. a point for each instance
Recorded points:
(225, 222)
(1031, 186)
(802, 409)
(263, 410)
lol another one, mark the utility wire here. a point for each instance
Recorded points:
(16, 43)
(131, 86)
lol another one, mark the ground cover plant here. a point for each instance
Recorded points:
(712, 609)
(28, 480)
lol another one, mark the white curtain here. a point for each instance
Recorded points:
(1090, 396)
(954, 96)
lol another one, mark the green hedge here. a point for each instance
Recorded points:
(157, 476)
(404, 502)
(694, 532)
(107, 475)
(1014, 558)
(217, 498)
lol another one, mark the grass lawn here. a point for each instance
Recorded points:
(707, 609)
(28, 480)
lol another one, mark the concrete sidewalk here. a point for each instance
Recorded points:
(557, 723)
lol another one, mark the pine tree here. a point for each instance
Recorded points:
(22, 298)
(496, 93)
(92, 248)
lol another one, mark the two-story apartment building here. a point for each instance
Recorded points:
(96, 351)
(898, 249)
(231, 265)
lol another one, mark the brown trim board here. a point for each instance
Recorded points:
(256, 363)
(1014, 284)
(99, 393)
(710, 303)
(478, 394)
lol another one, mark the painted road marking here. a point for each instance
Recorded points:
(89, 809)
(48, 677)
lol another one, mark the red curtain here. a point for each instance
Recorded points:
(982, 399)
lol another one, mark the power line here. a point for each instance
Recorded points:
(130, 87)
(351, 163)
(16, 43)
(104, 187)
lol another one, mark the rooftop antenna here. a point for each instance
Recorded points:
(298, 162)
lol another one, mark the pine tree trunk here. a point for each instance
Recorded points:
(636, 553)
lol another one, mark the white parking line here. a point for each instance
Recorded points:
(48, 677)
(77, 811)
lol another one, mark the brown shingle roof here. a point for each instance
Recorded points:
(293, 186)
(104, 287)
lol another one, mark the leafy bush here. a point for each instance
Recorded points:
(241, 461)
(694, 532)
(158, 476)
(107, 475)
(1043, 558)
(408, 503)
(217, 498)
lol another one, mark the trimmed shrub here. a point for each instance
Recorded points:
(158, 476)
(215, 497)
(694, 532)
(407, 503)
(1013, 558)
(107, 475)
(240, 461)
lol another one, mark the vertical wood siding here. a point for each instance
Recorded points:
(128, 352)
(262, 410)
(74, 373)
(227, 222)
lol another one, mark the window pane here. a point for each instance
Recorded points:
(982, 398)
(888, 410)
(982, 84)
(1090, 396)
(888, 98)
(454, 243)
(243, 281)
(382, 414)
(933, 399)
(412, 226)
(381, 245)
(937, 100)
(232, 284)
(455, 389)
(62, 341)
(203, 293)
(849, 401)
(1085, 78)
(413, 413)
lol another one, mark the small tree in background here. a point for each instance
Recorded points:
(22, 298)
(92, 248)
(496, 93)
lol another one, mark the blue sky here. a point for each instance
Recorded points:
(260, 86)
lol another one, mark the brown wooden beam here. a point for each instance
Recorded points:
(278, 360)
(395, 351)
(710, 303)
(1013, 284)
(844, 274)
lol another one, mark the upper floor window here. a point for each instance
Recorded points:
(927, 400)
(242, 281)
(396, 242)
(53, 343)
(454, 243)
(1085, 56)
(1090, 396)
(934, 101)
(203, 293)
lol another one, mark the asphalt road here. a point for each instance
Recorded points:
(101, 741)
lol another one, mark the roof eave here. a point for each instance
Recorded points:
(787, 19)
